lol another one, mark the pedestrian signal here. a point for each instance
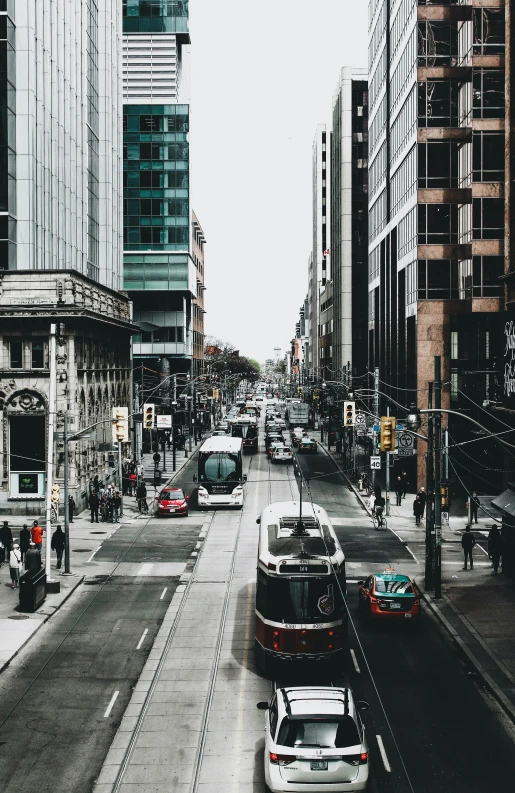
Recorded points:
(120, 425)
(387, 433)
(349, 414)
(149, 416)
(56, 494)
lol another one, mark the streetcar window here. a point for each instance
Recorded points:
(261, 592)
(303, 600)
(324, 734)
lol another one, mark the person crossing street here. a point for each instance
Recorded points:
(467, 543)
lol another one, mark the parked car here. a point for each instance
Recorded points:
(172, 501)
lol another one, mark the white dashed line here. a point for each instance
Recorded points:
(163, 593)
(383, 753)
(138, 646)
(355, 661)
(111, 704)
(94, 552)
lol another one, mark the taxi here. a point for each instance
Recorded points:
(389, 595)
(307, 445)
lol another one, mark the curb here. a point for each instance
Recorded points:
(486, 677)
(42, 622)
(349, 481)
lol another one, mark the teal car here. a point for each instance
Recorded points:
(389, 595)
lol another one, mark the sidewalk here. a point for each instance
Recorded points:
(477, 608)
(17, 628)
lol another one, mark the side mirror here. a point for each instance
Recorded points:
(258, 521)
(187, 498)
(244, 477)
(262, 706)
(195, 478)
(362, 705)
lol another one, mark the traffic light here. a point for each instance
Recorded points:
(349, 414)
(149, 416)
(56, 494)
(445, 497)
(120, 425)
(387, 433)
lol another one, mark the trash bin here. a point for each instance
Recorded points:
(157, 476)
(32, 589)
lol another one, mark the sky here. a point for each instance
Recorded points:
(263, 76)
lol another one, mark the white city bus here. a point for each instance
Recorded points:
(221, 482)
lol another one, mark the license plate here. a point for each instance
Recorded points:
(395, 605)
(172, 509)
(408, 616)
(319, 765)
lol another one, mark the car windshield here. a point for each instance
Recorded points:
(218, 467)
(167, 495)
(309, 600)
(397, 587)
(330, 733)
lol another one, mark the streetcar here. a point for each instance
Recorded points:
(245, 427)
(301, 613)
(220, 477)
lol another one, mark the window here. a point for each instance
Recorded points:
(150, 123)
(488, 156)
(37, 355)
(150, 179)
(486, 272)
(438, 103)
(437, 164)
(488, 93)
(404, 181)
(437, 224)
(149, 151)
(488, 31)
(454, 345)
(437, 279)
(487, 218)
(437, 44)
(16, 354)
(411, 283)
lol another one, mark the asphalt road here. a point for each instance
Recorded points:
(440, 730)
(54, 731)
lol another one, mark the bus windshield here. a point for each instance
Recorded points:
(219, 467)
(304, 600)
(244, 431)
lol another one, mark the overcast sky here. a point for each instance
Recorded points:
(263, 77)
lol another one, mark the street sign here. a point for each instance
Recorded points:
(163, 422)
(376, 427)
(405, 452)
(360, 418)
(445, 518)
(375, 463)
(406, 440)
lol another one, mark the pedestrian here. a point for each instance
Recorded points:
(6, 538)
(91, 486)
(418, 509)
(467, 543)
(36, 533)
(116, 504)
(133, 481)
(71, 508)
(58, 542)
(423, 498)
(495, 547)
(399, 490)
(404, 477)
(474, 504)
(24, 541)
(32, 558)
(141, 494)
(157, 459)
(15, 565)
(93, 505)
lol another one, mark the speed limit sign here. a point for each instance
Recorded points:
(375, 463)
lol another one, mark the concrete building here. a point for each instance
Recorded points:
(159, 268)
(436, 193)
(93, 376)
(349, 217)
(198, 241)
(319, 274)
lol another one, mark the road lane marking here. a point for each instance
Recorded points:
(94, 552)
(138, 646)
(355, 661)
(413, 555)
(352, 581)
(383, 754)
(145, 569)
(480, 546)
(111, 704)
(163, 593)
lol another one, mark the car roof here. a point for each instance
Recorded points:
(391, 577)
(317, 700)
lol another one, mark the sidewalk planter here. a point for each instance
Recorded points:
(32, 590)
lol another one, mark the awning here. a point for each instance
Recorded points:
(505, 502)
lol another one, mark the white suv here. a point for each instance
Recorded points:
(281, 454)
(315, 740)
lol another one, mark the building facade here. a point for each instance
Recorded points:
(93, 375)
(318, 273)
(436, 193)
(349, 220)
(160, 273)
(198, 242)
(60, 171)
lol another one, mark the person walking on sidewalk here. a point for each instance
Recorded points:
(116, 504)
(71, 508)
(467, 543)
(58, 541)
(32, 558)
(423, 498)
(24, 541)
(399, 490)
(418, 509)
(495, 547)
(93, 505)
(405, 483)
(37, 535)
(15, 565)
(474, 504)
(6, 538)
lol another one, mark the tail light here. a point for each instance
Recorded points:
(356, 759)
(363, 758)
(275, 645)
(416, 603)
(282, 759)
(276, 633)
(331, 633)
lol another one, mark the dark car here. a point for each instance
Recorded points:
(172, 501)
(272, 438)
(307, 446)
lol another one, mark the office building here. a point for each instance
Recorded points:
(349, 218)
(160, 274)
(198, 242)
(320, 343)
(436, 195)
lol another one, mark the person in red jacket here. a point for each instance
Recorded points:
(37, 535)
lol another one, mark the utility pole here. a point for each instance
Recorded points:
(375, 411)
(50, 451)
(67, 570)
(388, 470)
(120, 481)
(429, 576)
(438, 476)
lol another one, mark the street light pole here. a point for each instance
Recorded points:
(428, 576)
(438, 477)
(67, 570)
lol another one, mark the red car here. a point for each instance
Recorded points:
(389, 595)
(172, 501)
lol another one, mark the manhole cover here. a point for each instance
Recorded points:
(81, 550)
(19, 617)
(98, 532)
